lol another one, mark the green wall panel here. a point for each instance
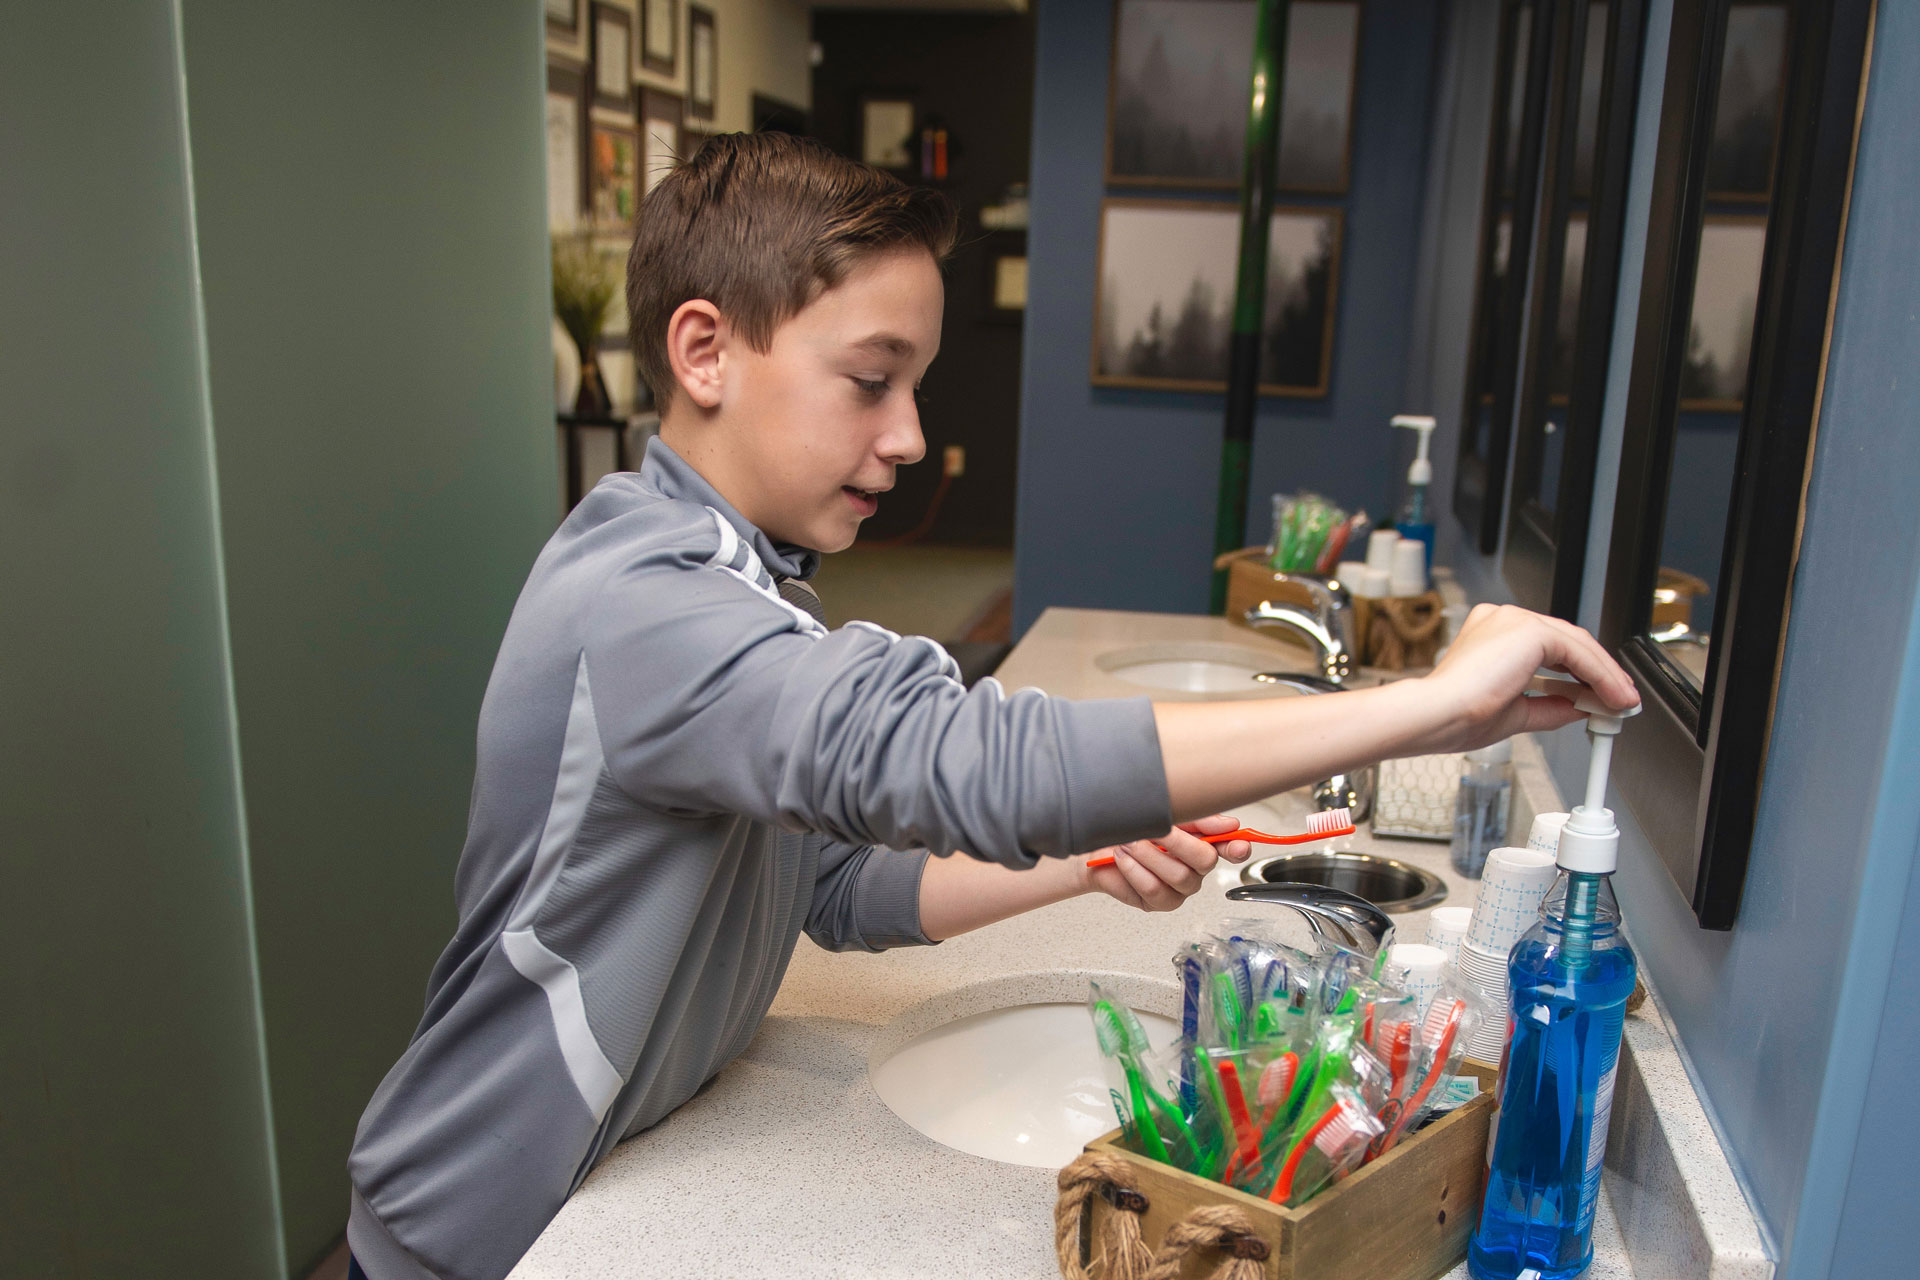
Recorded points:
(370, 186)
(132, 1107)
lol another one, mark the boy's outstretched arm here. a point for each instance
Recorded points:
(1219, 754)
(959, 893)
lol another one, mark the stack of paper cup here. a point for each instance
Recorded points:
(1423, 969)
(1545, 836)
(1511, 887)
(1446, 927)
(1484, 973)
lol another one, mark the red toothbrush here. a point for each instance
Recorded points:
(1321, 826)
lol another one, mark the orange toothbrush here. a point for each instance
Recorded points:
(1330, 1132)
(1247, 1140)
(1321, 826)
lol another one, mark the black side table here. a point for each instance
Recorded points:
(572, 425)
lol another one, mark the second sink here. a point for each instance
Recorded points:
(1201, 667)
(1387, 883)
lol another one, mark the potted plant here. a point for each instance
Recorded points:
(583, 288)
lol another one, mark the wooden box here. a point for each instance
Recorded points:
(1406, 1216)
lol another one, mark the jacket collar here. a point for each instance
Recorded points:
(670, 475)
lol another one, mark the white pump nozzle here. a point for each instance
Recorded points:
(1421, 472)
(1590, 841)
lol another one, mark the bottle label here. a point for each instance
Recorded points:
(1597, 1144)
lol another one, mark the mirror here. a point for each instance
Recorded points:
(1568, 335)
(1513, 165)
(1758, 120)
(1728, 243)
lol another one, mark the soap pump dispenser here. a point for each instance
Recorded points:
(1569, 979)
(1413, 519)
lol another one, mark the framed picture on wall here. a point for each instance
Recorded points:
(566, 147)
(1177, 93)
(614, 175)
(1746, 114)
(612, 58)
(703, 63)
(1726, 291)
(1163, 300)
(660, 138)
(563, 17)
(886, 131)
(660, 35)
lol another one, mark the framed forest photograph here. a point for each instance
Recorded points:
(1746, 114)
(1726, 291)
(1177, 93)
(1163, 306)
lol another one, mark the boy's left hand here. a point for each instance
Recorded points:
(1160, 875)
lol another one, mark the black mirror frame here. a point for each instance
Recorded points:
(1691, 766)
(1546, 549)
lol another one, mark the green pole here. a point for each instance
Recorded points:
(1250, 285)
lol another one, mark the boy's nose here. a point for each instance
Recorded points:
(903, 444)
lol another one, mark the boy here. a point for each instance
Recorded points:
(680, 768)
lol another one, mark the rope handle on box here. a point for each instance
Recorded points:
(1123, 1255)
(1221, 1228)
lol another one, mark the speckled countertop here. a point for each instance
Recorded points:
(789, 1165)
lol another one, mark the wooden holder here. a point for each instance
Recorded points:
(1406, 1216)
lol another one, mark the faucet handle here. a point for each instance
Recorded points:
(1329, 595)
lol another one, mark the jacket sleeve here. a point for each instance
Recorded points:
(867, 898)
(713, 695)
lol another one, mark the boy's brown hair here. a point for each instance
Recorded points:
(760, 224)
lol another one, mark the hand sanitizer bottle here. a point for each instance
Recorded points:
(1570, 976)
(1414, 520)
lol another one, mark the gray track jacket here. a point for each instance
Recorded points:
(679, 769)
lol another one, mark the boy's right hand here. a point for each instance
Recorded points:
(1482, 681)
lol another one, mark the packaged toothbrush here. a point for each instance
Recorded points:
(1335, 1140)
(1142, 1086)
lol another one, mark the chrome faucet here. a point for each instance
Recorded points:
(1329, 627)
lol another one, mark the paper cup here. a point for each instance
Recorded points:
(1422, 967)
(1545, 836)
(1447, 927)
(1511, 887)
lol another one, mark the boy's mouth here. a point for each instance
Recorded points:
(865, 501)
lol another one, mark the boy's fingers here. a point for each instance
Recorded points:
(1191, 850)
(1586, 659)
(1162, 880)
(1212, 825)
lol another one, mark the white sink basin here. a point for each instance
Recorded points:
(1196, 667)
(1024, 1085)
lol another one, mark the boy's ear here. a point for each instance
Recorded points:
(697, 338)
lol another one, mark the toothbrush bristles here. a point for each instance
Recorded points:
(1337, 1131)
(1332, 822)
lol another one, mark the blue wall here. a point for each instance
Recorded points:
(1116, 497)
(1799, 1039)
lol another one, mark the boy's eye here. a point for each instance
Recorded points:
(874, 389)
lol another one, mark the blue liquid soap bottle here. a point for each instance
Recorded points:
(1570, 976)
(1415, 519)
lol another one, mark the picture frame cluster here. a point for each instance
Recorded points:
(1176, 121)
(613, 131)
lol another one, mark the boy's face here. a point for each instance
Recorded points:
(807, 434)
